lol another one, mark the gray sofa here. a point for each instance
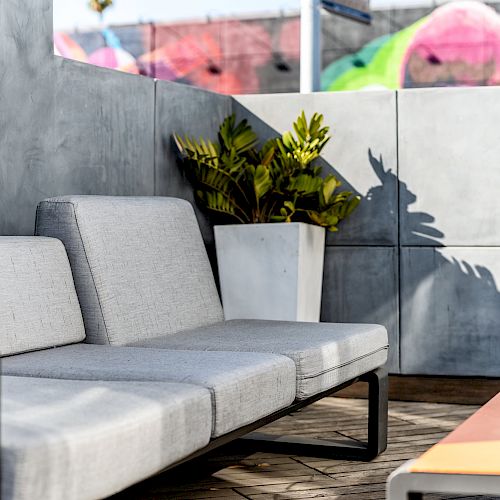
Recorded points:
(144, 336)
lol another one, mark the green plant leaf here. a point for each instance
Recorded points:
(305, 184)
(217, 202)
(237, 137)
(329, 185)
(268, 156)
(277, 183)
(262, 181)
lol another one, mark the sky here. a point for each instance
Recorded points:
(70, 14)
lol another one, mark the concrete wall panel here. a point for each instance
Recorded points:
(69, 128)
(450, 311)
(362, 151)
(449, 165)
(186, 111)
(26, 108)
(361, 286)
(103, 131)
(65, 127)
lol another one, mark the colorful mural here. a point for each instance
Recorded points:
(66, 47)
(456, 44)
(226, 56)
(113, 55)
(223, 60)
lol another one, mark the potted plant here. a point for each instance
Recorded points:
(275, 206)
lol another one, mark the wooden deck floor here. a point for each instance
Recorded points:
(413, 427)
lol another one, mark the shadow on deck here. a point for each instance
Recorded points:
(226, 474)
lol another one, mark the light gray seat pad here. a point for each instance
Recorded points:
(69, 440)
(325, 354)
(244, 386)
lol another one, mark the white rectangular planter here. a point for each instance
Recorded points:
(271, 271)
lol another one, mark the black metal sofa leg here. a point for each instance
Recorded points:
(349, 449)
(378, 393)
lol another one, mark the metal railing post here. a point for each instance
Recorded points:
(310, 46)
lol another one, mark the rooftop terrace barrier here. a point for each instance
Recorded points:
(422, 254)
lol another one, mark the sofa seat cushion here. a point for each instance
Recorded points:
(245, 386)
(325, 354)
(38, 303)
(68, 439)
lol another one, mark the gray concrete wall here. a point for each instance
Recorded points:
(360, 285)
(65, 127)
(362, 151)
(449, 145)
(450, 315)
(72, 128)
(420, 256)
(449, 168)
(185, 111)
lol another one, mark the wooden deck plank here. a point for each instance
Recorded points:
(434, 389)
(227, 474)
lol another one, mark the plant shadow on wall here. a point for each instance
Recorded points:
(449, 304)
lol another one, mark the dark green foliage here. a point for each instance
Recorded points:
(277, 183)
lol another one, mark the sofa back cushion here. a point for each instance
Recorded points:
(140, 265)
(38, 303)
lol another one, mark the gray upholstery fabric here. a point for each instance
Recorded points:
(244, 386)
(38, 303)
(325, 354)
(139, 264)
(144, 263)
(69, 440)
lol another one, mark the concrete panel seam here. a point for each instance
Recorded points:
(155, 138)
(437, 247)
(363, 245)
(398, 227)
